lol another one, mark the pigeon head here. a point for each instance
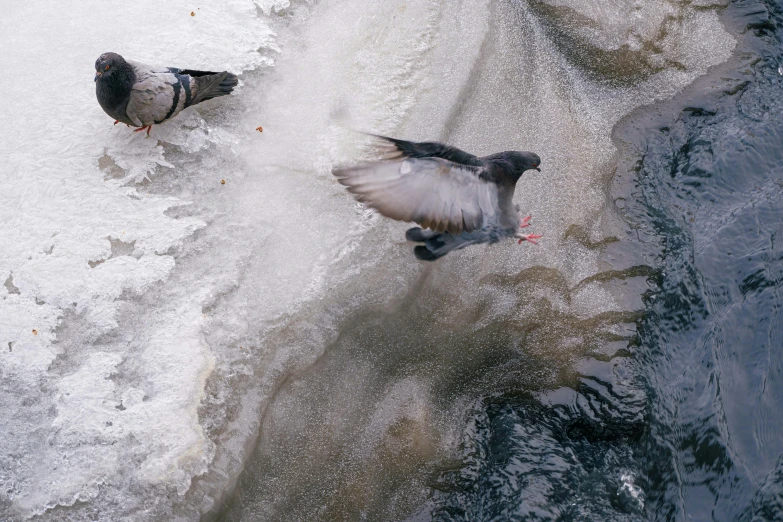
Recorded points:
(515, 163)
(110, 65)
(523, 161)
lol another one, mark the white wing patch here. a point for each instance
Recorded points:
(156, 96)
(435, 193)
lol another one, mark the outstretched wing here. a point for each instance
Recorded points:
(435, 193)
(427, 149)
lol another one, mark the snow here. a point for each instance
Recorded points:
(78, 242)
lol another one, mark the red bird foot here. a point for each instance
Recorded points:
(148, 127)
(525, 222)
(528, 237)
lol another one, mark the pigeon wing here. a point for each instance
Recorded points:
(205, 85)
(435, 193)
(156, 96)
(427, 149)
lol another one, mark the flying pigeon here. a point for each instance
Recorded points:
(458, 199)
(139, 95)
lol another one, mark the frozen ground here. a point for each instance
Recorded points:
(83, 231)
(149, 313)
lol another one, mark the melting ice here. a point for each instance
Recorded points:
(149, 313)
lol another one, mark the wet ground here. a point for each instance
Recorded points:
(669, 411)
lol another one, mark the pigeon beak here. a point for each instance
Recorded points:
(97, 74)
(539, 170)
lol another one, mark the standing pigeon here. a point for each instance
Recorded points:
(460, 199)
(139, 95)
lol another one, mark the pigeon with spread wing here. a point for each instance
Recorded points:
(141, 95)
(458, 199)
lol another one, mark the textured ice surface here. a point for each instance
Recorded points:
(77, 242)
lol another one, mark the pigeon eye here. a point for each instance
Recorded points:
(107, 68)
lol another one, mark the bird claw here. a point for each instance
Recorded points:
(148, 127)
(526, 237)
(531, 238)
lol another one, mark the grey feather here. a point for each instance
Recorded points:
(142, 95)
(420, 190)
(459, 198)
(152, 98)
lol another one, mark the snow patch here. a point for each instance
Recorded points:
(83, 235)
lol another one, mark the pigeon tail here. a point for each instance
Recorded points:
(211, 85)
(419, 235)
(437, 244)
(422, 253)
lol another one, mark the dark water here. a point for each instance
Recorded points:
(671, 413)
(700, 429)
(707, 199)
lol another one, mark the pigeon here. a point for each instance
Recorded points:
(139, 95)
(458, 199)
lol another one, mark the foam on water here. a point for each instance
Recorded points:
(151, 315)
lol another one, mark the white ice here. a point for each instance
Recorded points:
(76, 242)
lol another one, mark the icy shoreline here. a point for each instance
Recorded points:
(80, 241)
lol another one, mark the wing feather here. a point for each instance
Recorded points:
(427, 149)
(435, 193)
(155, 96)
